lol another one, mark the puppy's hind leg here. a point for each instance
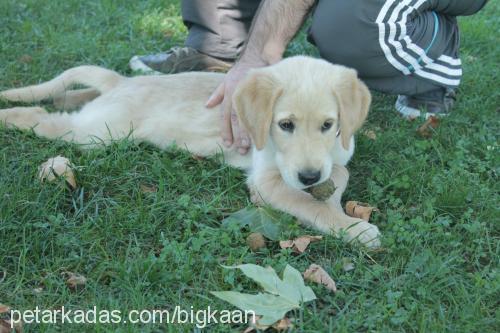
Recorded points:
(49, 125)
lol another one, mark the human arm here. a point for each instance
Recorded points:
(275, 24)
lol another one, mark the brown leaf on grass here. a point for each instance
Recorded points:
(281, 325)
(26, 58)
(55, 167)
(358, 209)
(6, 325)
(370, 134)
(300, 244)
(316, 273)
(427, 128)
(73, 280)
(148, 188)
(254, 325)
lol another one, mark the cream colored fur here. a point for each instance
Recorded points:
(169, 109)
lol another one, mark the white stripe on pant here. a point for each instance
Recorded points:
(419, 70)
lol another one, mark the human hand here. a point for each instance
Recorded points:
(232, 131)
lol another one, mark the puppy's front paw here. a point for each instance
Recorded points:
(364, 232)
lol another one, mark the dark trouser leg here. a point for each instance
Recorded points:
(218, 28)
(394, 45)
(457, 7)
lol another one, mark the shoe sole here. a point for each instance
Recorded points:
(411, 113)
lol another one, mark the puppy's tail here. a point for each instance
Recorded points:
(96, 77)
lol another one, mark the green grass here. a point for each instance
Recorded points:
(438, 198)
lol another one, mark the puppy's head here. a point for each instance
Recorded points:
(298, 109)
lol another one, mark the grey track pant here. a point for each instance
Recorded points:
(397, 46)
(218, 27)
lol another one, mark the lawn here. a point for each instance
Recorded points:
(438, 269)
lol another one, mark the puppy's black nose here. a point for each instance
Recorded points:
(309, 177)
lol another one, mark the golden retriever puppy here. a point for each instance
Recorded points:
(301, 113)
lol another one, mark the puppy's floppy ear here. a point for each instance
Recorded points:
(254, 100)
(354, 100)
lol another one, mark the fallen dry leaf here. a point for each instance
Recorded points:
(359, 209)
(148, 188)
(370, 134)
(316, 273)
(26, 58)
(254, 325)
(5, 324)
(427, 129)
(73, 280)
(281, 325)
(55, 167)
(300, 244)
(256, 241)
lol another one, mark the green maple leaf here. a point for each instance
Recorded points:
(280, 296)
(258, 219)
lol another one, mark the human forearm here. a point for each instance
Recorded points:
(275, 24)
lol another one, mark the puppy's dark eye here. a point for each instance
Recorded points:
(287, 125)
(326, 125)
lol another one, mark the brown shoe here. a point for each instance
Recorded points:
(178, 59)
